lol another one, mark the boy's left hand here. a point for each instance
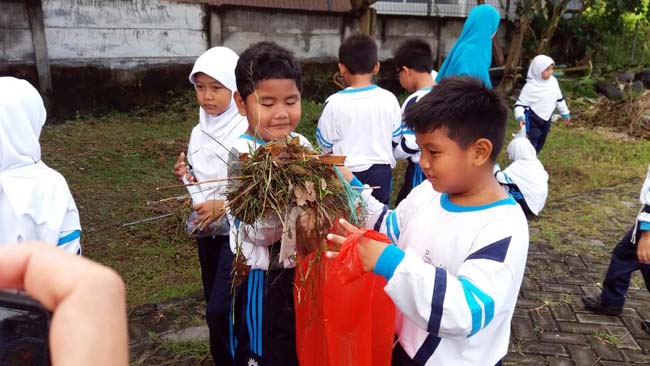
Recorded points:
(209, 211)
(567, 121)
(369, 250)
(643, 248)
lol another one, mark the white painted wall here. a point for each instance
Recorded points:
(116, 33)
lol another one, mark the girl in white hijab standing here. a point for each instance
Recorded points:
(525, 178)
(35, 201)
(538, 99)
(220, 125)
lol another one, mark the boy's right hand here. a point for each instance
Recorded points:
(521, 121)
(181, 169)
(643, 248)
(346, 173)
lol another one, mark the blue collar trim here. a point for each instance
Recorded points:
(446, 203)
(256, 140)
(357, 90)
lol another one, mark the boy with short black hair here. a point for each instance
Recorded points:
(460, 241)
(269, 83)
(362, 121)
(413, 59)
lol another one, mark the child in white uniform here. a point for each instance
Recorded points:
(460, 241)
(220, 124)
(538, 99)
(413, 59)
(363, 121)
(525, 179)
(35, 201)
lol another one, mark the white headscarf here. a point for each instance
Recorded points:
(213, 137)
(35, 201)
(539, 94)
(528, 173)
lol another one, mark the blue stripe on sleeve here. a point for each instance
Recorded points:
(389, 227)
(397, 131)
(321, 139)
(645, 226)
(380, 220)
(395, 225)
(488, 303)
(388, 261)
(437, 300)
(69, 237)
(474, 307)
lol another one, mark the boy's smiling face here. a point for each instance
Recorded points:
(212, 96)
(273, 110)
(448, 167)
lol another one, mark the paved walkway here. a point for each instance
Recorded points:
(567, 259)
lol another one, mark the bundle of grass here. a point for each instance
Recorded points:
(301, 188)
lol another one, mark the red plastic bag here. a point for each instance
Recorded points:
(343, 315)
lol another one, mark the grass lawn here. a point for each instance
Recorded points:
(114, 163)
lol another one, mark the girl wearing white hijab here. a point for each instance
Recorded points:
(525, 179)
(220, 125)
(538, 99)
(35, 202)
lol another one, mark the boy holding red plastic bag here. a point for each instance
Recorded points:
(460, 242)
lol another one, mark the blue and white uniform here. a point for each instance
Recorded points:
(454, 274)
(361, 124)
(408, 149)
(643, 220)
(35, 201)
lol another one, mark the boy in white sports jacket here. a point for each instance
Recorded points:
(460, 240)
(630, 254)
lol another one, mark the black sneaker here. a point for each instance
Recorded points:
(645, 325)
(595, 304)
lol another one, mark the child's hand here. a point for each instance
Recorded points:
(643, 248)
(522, 123)
(346, 173)
(209, 211)
(567, 121)
(181, 170)
(369, 250)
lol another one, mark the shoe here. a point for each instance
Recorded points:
(595, 304)
(645, 325)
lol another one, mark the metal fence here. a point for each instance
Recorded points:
(444, 8)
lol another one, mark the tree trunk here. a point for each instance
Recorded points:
(554, 21)
(514, 53)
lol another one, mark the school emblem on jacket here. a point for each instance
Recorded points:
(252, 362)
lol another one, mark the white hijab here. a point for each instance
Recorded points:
(213, 137)
(528, 173)
(539, 94)
(34, 198)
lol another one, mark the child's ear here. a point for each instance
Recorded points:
(375, 69)
(482, 151)
(241, 105)
(343, 69)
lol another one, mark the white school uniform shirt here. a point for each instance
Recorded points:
(541, 96)
(644, 216)
(35, 202)
(407, 148)
(253, 241)
(454, 274)
(527, 172)
(213, 136)
(361, 124)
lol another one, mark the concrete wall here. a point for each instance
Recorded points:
(115, 33)
(120, 53)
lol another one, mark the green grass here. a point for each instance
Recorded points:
(114, 163)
